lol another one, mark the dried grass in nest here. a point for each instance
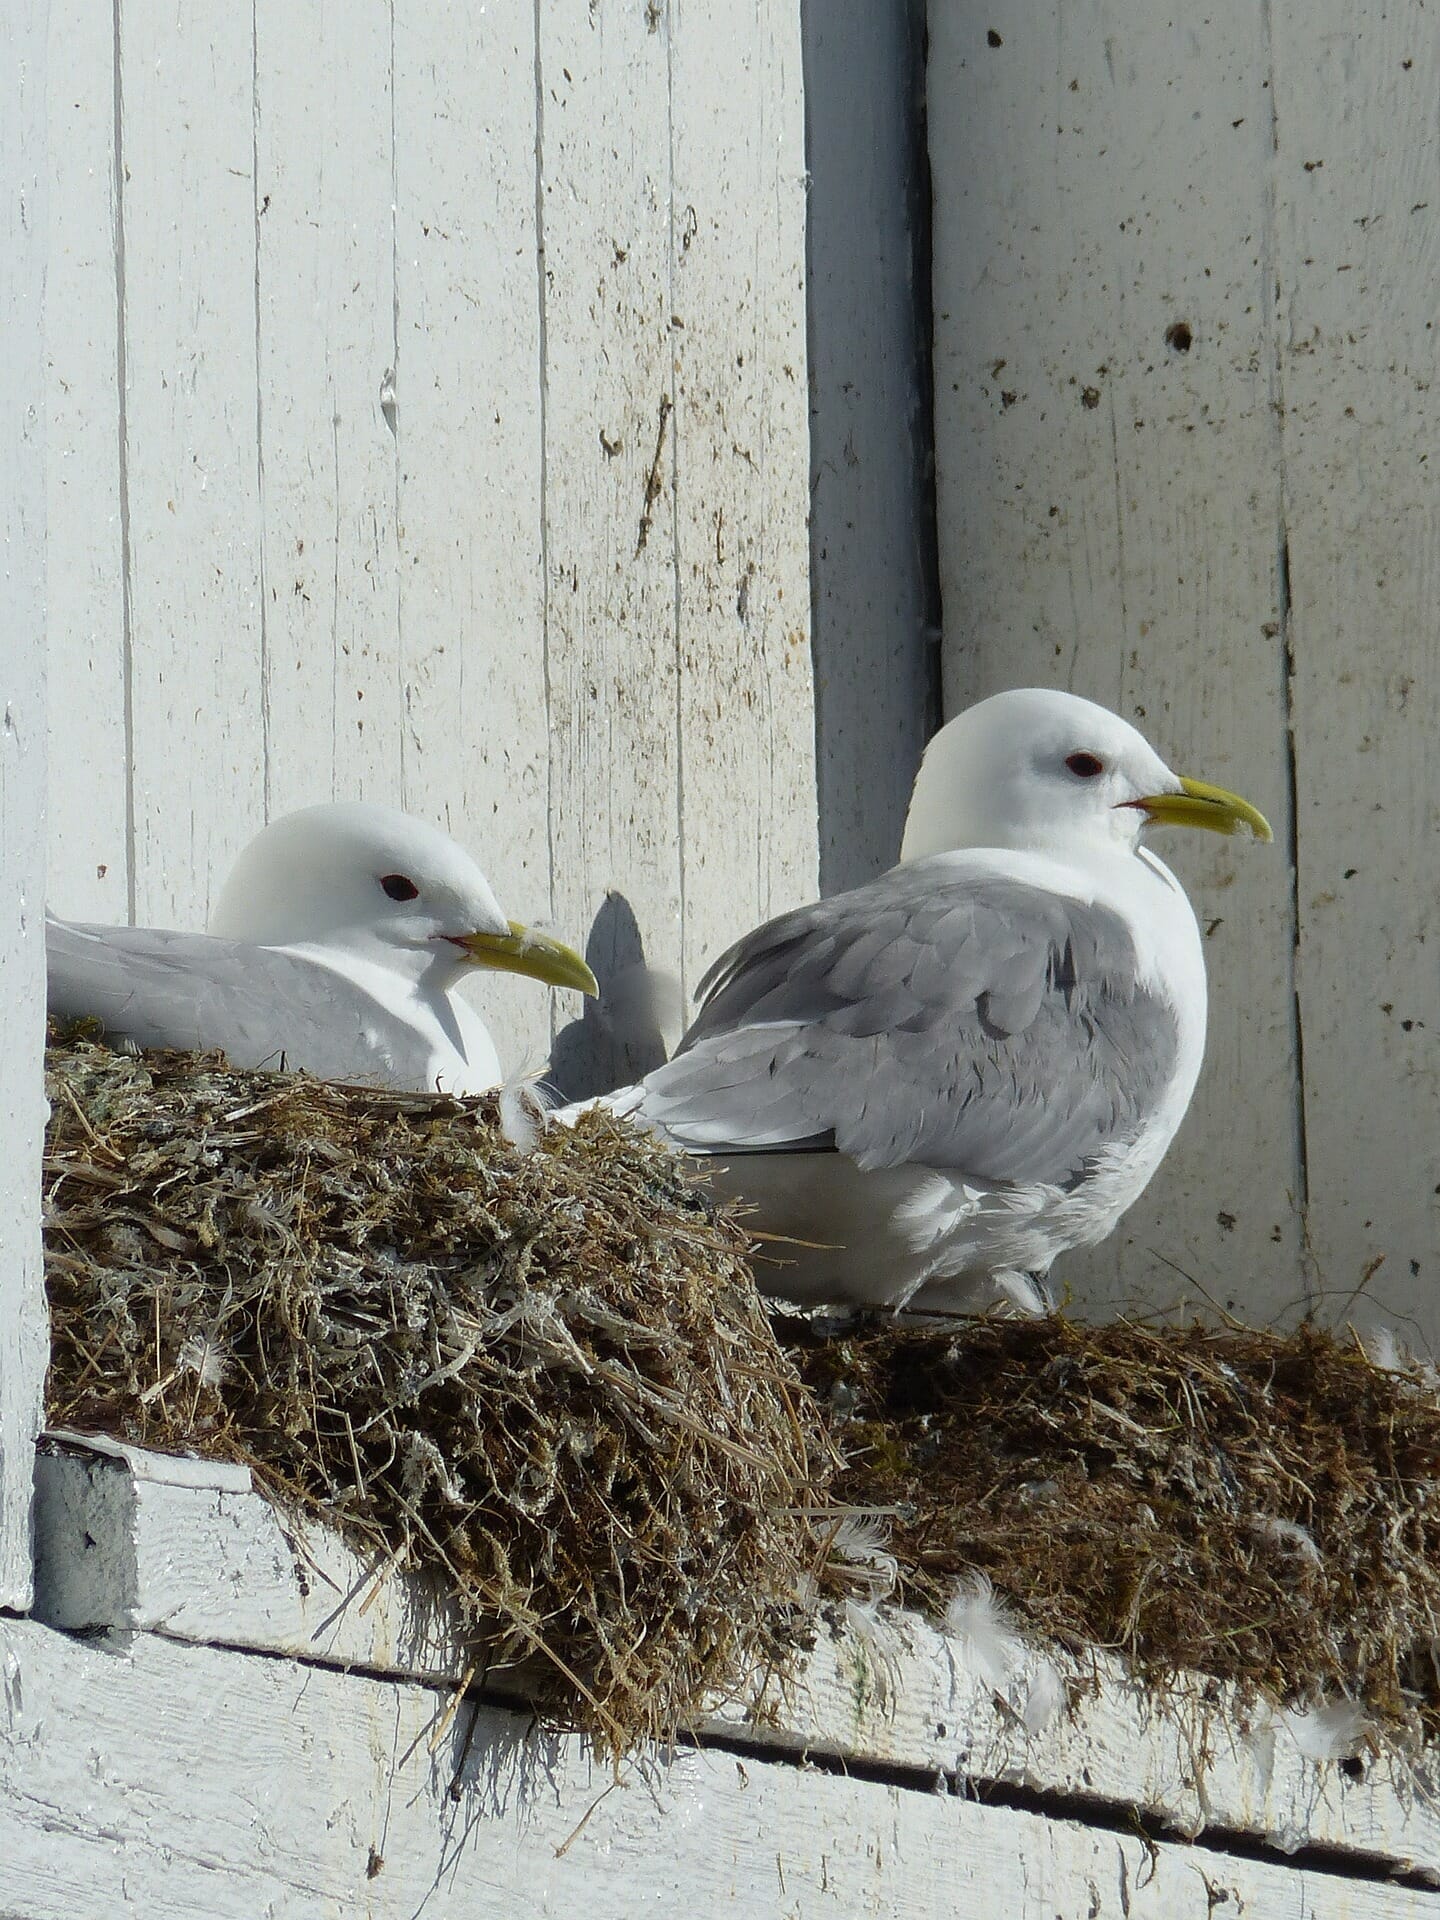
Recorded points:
(544, 1375)
(1261, 1507)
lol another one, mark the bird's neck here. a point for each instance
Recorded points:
(465, 1058)
(423, 976)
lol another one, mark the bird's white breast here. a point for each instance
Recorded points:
(472, 1066)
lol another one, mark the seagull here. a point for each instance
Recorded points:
(335, 947)
(936, 1083)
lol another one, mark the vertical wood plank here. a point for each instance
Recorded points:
(1110, 514)
(876, 640)
(1357, 176)
(467, 421)
(324, 234)
(88, 804)
(24, 240)
(741, 461)
(191, 450)
(609, 542)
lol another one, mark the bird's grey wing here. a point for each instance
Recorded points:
(264, 1007)
(974, 1024)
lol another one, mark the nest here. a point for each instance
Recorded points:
(536, 1367)
(1260, 1507)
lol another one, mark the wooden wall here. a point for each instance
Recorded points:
(379, 336)
(427, 392)
(24, 1343)
(1185, 341)
(872, 511)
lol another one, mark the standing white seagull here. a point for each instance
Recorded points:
(338, 938)
(949, 1076)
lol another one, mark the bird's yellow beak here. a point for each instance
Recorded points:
(537, 955)
(1199, 805)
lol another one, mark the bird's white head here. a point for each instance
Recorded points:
(374, 884)
(1045, 771)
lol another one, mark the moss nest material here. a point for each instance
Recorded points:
(1257, 1506)
(537, 1368)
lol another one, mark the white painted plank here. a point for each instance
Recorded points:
(1109, 513)
(475, 751)
(186, 1779)
(746, 698)
(216, 1565)
(24, 244)
(610, 644)
(157, 1469)
(1357, 186)
(89, 854)
(1193, 1756)
(325, 275)
(872, 534)
(188, 214)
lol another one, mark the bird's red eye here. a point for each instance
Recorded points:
(399, 887)
(1084, 765)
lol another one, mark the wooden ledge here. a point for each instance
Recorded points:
(131, 1543)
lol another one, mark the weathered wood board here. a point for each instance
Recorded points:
(1184, 346)
(183, 1779)
(745, 717)
(325, 334)
(610, 636)
(872, 559)
(138, 1542)
(356, 385)
(1356, 181)
(88, 800)
(191, 455)
(464, 691)
(24, 244)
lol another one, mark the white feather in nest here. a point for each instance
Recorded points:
(882, 1643)
(1335, 1730)
(1287, 1536)
(861, 1544)
(522, 1109)
(1046, 1697)
(1384, 1349)
(207, 1357)
(994, 1649)
(985, 1627)
(859, 1547)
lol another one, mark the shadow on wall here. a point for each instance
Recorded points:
(874, 573)
(623, 1034)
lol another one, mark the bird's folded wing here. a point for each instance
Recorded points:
(263, 1006)
(978, 1025)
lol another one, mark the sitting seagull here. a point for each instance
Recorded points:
(335, 945)
(947, 1077)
